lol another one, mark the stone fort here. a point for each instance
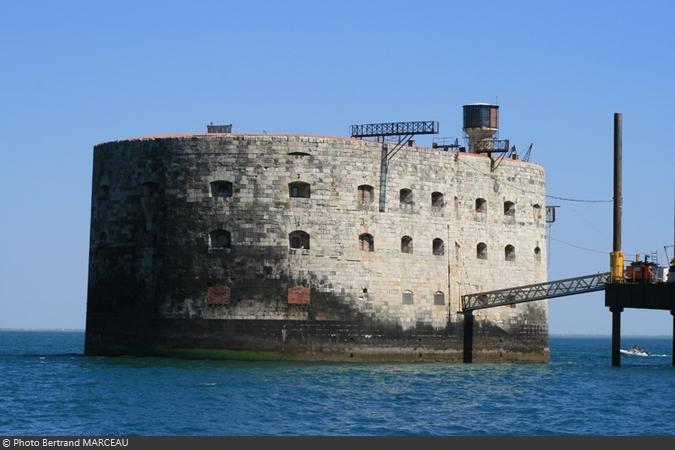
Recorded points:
(250, 246)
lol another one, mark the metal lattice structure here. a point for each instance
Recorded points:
(447, 143)
(478, 145)
(533, 292)
(394, 129)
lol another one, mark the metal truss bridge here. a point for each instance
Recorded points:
(532, 292)
(394, 129)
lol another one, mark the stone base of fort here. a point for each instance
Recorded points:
(308, 340)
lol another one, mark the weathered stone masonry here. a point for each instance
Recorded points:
(192, 246)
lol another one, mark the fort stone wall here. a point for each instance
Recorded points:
(276, 244)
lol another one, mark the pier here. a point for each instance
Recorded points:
(640, 296)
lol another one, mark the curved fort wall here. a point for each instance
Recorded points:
(192, 249)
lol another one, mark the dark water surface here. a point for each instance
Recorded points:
(47, 387)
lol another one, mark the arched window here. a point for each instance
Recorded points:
(406, 244)
(366, 243)
(365, 195)
(438, 247)
(406, 200)
(481, 250)
(509, 208)
(481, 205)
(219, 239)
(509, 253)
(103, 192)
(439, 298)
(407, 297)
(148, 239)
(537, 254)
(298, 239)
(221, 189)
(536, 211)
(150, 188)
(437, 201)
(298, 189)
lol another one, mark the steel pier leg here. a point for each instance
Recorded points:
(616, 335)
(468, 337)
(673, 348)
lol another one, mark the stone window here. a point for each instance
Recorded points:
(509, 253)
(407, 297)
(218, 294)
(366, 243)
(298, 239)
(437, 201)
(102, 238)
(103, 192)
(481, 250)
(406, 244)
(406, 200)
(150, 188)
(148, 239)
(481, 205)
(365, 195)
(219, 239)
(439, 298)
(221, 189)
(299, 295)
(438, 247)
(298, 189)
(509, 208)
(537, 254)
(536, 211)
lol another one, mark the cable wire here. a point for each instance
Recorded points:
(579, 247)
(579, 200)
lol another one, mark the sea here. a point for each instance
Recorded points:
(47, 387)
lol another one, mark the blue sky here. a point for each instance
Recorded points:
(74, 74)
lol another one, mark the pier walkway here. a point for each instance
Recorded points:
(618, 296)
(532, 292)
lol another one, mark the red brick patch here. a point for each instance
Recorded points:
(298, 295)
(219, 295)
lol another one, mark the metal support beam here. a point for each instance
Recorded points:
(533, 292)
(673, 347)
(618, 199)
(468, 336)
(616, 335)
(384, 166)
(616, 257)
(402, 143)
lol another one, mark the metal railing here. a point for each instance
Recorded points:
(477, 145)
(533, 292)
(446, 143)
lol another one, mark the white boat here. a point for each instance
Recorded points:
(635, 351)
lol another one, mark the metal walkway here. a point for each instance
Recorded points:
(532, 292)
